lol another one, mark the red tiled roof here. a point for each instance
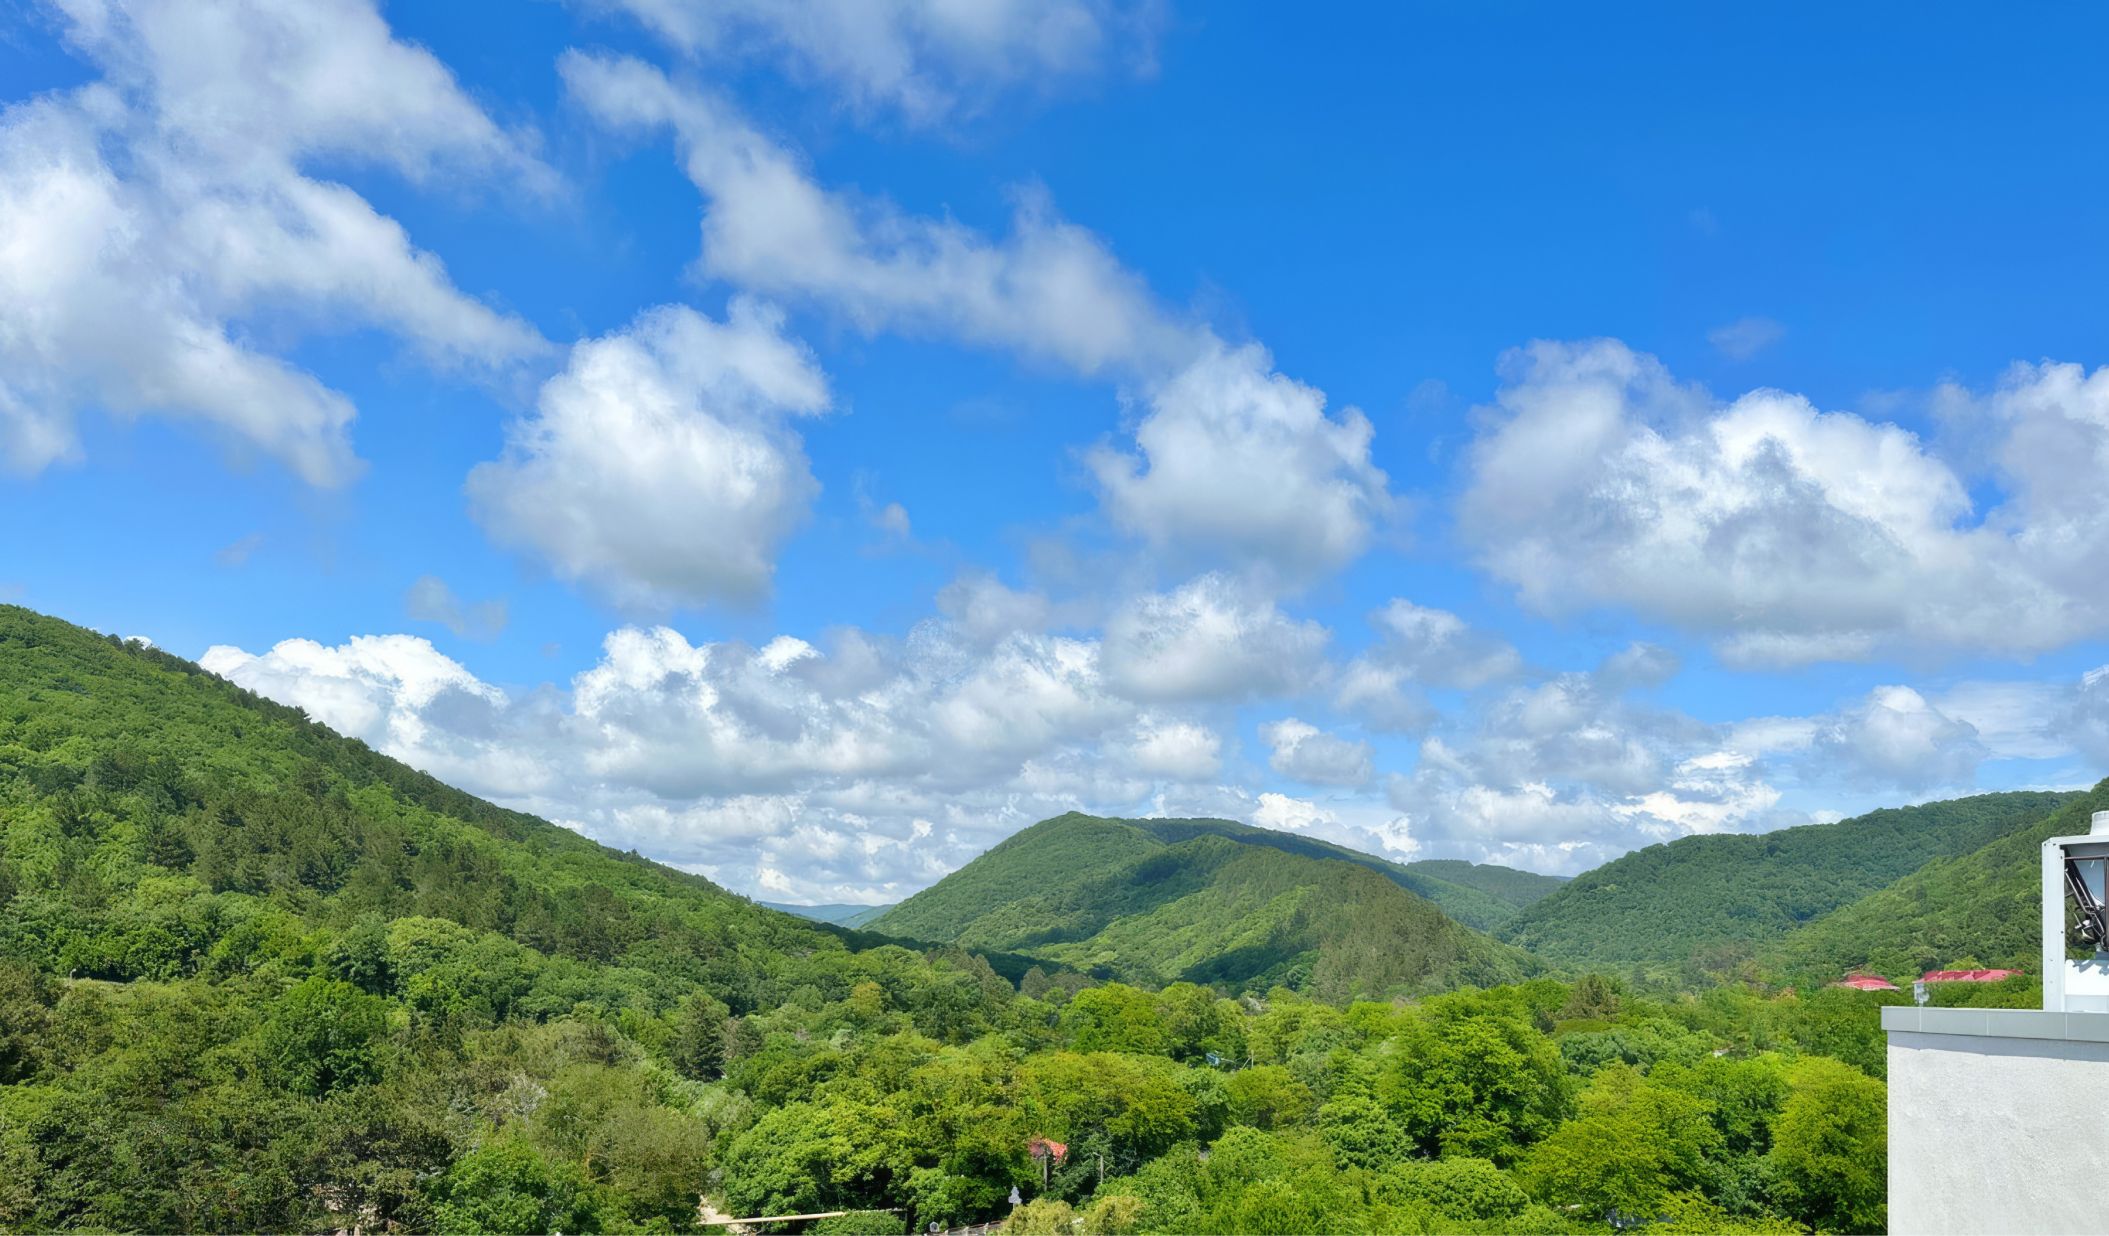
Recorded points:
(1967, 976)
(1047, 1147)
(1866, 982)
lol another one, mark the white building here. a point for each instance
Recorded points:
(1999, 1118)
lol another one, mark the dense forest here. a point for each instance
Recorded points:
(1162, 901)
(1975, 909)
(1067, 854)
(1714, 902)
(255, 976)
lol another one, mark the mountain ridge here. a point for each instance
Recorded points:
(1212, 901)
(1717, 899)
(1075, 846)
(841, 914)
(1963, 910)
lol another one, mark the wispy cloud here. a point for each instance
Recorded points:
(431, 600)
(1745, 337)
(239, 552)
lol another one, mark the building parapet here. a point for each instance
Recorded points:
(1998, 1023)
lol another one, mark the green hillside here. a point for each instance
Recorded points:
(196, 810)
(1713, 900)
(1513, 887)
(1159, 901)
(1473, 894)
(1053, 855)
(1070, 850)
(1980, 908)
(256, 977)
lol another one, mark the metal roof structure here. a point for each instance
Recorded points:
(1866, 982)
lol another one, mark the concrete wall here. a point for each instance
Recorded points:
(1998, 1121)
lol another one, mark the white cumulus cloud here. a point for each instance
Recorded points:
(859, 767)
(1181, 750)
(1209, 639)
(1215, 419)
(1290, 814)
(1235, 459)
(155, 211)
(1306, 753)
(1417, 648)
(1895, 737)
(1787, 533)
(659, 467)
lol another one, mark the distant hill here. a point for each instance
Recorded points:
(839, 913)
(1976, 908)
(1159, 901)
(1722, 894)
(1505, 884)
(1065, 851)
(1474, 894)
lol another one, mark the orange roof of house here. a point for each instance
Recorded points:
(1967, 976)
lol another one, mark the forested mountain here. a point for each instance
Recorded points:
(1474, 894)
(1512, 887)
(1712, 901)
(1981, 908)
(1210, 910)
(841, 915)
(254, 976)
(1069, 851)
(1050, 857)
(156, 811)
(1211, 901)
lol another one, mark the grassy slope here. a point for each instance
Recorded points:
(1670, 903)
(1978, 907)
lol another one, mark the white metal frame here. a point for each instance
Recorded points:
(2055, 852)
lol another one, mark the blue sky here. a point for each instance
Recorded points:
(808, 444)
